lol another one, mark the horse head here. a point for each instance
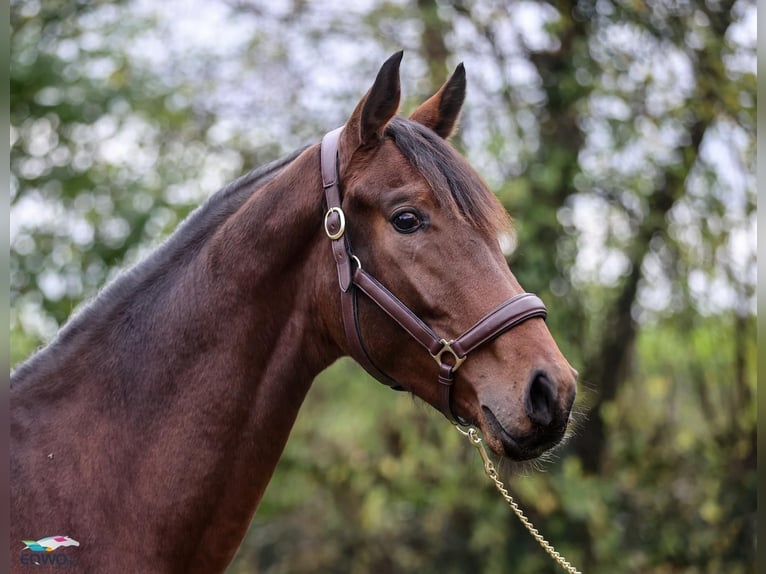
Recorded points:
(421, 228)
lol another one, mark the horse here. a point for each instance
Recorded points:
(146, 432)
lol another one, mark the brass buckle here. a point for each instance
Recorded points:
(338, 234)
(447, 348)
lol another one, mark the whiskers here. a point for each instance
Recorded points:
(577, 419)
(509, 467)
(578, 416)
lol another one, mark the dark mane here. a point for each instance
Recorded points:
(456, 185)
(180, 247)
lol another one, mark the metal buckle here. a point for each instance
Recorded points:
(447, 348)
(342, 229)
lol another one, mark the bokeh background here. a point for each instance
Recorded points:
(619, 134)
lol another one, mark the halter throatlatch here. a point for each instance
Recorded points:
(352, 278)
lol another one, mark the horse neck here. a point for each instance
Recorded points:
(260, 281)
(207, 367)
(267, 269)
(239, 315)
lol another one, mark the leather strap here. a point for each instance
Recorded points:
(397, 310)
(352, 278)
(335, 228)
(335, 220)
(504, 317)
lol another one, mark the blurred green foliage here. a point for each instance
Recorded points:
(621, 137)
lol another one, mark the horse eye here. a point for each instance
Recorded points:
(406, 221)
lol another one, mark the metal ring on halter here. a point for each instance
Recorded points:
(342, 223)
(447, 348)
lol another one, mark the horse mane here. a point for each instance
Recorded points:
(182, 245)
(454, 182)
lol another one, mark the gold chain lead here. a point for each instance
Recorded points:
(489, 469)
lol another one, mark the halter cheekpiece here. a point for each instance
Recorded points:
(352, 279)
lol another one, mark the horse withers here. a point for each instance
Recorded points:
(145, 433)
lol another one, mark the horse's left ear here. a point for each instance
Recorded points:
(440, 112)
(377, 107)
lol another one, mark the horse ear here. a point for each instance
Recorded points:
(378, 106)
(440, 112)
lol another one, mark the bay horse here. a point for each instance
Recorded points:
(145, 433)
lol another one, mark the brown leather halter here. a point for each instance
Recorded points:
(352, 278)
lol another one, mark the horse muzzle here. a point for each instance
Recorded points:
(545, 419)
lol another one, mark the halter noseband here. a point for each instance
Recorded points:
(352, 278)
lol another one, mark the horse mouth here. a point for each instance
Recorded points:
(520, 448)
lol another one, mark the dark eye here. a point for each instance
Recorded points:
(406, 221)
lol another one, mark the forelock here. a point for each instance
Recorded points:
(454, 182)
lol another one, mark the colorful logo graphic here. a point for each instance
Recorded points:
(49, 543)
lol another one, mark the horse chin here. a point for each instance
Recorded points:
(516, 448)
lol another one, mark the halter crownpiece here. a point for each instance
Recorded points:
(352, 278)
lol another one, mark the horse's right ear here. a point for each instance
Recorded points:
(441, 111)
(376, 108)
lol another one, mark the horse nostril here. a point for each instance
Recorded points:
(540, 401)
